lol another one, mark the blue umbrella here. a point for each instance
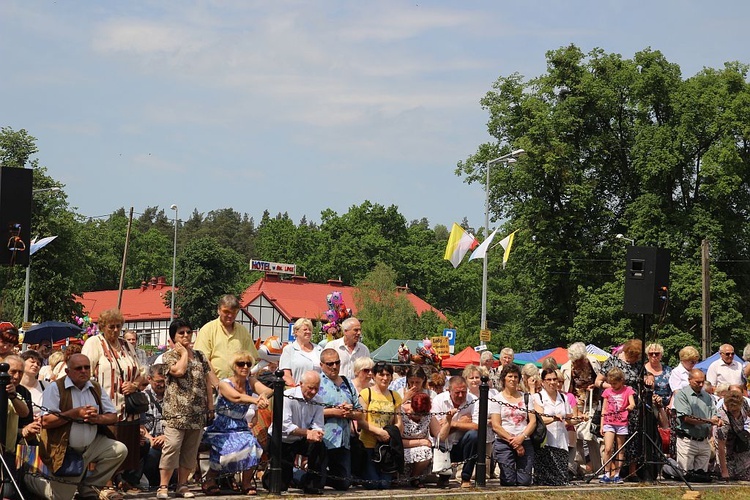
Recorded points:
(50, 330)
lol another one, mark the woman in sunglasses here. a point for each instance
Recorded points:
(363, 373)
(660, 371)
(234, 447)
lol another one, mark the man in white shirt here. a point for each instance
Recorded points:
(462, 440)
(87, 402)
(302, 431)
(350, 347)
(689, 356)
(726, 369)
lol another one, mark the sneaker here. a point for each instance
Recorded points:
(616, 480)
(605, 479)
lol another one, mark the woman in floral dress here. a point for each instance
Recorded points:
(418, 426)
(234, 447)
(189, 392)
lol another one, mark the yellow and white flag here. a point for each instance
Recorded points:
(459, 243)
(507, 242)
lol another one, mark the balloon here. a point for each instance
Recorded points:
(331, 315)
(336, 298)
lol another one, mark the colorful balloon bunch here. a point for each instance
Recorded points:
(336, 313)
(89, 329)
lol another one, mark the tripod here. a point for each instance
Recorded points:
(651, 453)
(6, 475)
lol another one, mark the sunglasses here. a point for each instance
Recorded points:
(654, 354)
(366, 370)
(244, 364)
(331, 364)
(728, 353)
(81, 368)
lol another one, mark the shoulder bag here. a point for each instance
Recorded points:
(539, 435)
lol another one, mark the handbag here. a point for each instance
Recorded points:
(539, 434)
(135, 403)
(441, 460)
(583, 428)
(72, 465)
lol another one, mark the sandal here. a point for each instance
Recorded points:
(211, 490)
(110, 493)
(162, 492)
(184, 492)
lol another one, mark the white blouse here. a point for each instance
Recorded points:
(557, 436)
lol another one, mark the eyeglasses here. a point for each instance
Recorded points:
(550, 379)
(81, 368)
(728, 353)
(331, 364)
(654, 354)
(244, 364)
(366, 370)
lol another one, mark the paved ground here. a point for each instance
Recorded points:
(493, 487)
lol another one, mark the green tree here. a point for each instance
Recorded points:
(615, 145)
(207, 271)
(385, 314)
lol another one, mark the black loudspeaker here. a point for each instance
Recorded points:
(15, 215)
(646, 280)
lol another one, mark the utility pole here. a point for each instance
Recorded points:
(706, 300)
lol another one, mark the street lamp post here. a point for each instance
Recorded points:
(505, 159)
(28, 267)
(621, 236)
(174, 263)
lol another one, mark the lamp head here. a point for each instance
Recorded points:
(173, 207)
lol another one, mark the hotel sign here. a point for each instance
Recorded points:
(274, 267)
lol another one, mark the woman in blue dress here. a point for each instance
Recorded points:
(234, 447)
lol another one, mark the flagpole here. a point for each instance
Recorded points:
(507, 158)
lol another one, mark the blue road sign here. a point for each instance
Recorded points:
(451, 334)
(290, 335)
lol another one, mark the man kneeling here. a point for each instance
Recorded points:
(70, 400)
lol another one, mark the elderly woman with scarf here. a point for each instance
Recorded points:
(115, 367)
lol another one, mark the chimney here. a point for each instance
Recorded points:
(143, 285)
(161, 282)
(272, 277)
(152, 282)
(299, 279)
(337, 282)
(404, 288)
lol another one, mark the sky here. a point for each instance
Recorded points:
(302, 106)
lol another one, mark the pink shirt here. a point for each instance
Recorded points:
(617, 401)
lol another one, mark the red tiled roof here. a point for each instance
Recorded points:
(298, 298)
(137, 304)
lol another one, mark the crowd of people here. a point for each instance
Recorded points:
(110, 420)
